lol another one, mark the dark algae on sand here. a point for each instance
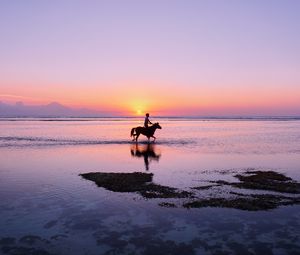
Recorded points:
(267, 180)
(253, 180)
(134, 182)
(270, 181)
(246, 202)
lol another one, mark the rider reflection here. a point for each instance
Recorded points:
(147, 151)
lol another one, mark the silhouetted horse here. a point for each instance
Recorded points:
(149, 131)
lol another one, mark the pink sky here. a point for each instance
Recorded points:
(164, 57)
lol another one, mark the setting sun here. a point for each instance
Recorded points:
(139, 112)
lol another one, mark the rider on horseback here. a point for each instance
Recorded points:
(147, 121)
(146, 130)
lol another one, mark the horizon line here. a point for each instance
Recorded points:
(159, 116)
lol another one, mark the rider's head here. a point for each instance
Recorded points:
(147, 114)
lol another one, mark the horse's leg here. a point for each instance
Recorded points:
(132, 133)
(137, 136)
(154, 138)
(133, 137)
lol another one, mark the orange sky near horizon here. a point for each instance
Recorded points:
(162, 99)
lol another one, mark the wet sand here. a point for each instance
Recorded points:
(207, 187)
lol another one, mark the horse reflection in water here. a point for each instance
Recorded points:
(147, 151)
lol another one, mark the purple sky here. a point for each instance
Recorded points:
(187, 57)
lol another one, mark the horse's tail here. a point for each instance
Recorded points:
(132, 132)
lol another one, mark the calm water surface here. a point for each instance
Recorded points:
(46, 208)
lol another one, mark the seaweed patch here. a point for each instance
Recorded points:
(135, 182)
(245, 202)
(141, 183)
(268, 180)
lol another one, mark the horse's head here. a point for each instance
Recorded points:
(156, 125)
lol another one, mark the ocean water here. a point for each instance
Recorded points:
(47, 208)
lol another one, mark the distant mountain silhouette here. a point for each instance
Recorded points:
(54, 109)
